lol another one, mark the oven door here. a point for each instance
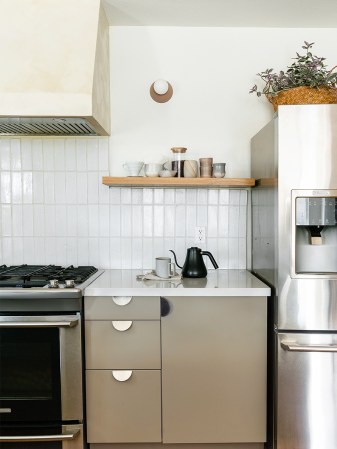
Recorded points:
(41, 369)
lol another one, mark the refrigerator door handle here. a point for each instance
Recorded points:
(292, 346)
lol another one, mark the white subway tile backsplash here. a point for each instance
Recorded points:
(55, 209)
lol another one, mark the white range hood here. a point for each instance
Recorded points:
(54, 76)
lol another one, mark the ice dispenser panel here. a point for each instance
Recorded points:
(315, 235)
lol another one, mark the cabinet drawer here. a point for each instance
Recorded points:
(122, 308)
(136, 347)
(123, 411)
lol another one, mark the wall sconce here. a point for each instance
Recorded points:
(161, 91)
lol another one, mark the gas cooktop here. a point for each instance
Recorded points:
(53, 276)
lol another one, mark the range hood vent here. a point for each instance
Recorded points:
(55, 72)
(46, 126)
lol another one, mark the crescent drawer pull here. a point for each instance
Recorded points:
(121, 325)
(122, 375)
(121, 300)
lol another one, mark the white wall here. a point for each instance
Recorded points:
(211, 71)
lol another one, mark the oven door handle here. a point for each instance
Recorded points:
(292, 346)
(66, 435)
(39, 321)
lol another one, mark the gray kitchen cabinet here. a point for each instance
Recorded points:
(214, 370)
(123, 377)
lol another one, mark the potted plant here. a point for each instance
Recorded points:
(306, 81)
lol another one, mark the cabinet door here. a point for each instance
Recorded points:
(214, 370)
(123, 409)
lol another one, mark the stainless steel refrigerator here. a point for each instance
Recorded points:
(294, 249)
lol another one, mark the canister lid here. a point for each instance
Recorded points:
(179, 150)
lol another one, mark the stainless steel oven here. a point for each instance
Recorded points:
(41, 357)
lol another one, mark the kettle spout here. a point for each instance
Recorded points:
(207, 253)
(175, 258)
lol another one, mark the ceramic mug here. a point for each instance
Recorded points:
(133, 168)
(190, 169)
(152, 170)
(165, 268)
(219, 169)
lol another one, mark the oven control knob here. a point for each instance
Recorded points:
(70, 283)
(53, 283)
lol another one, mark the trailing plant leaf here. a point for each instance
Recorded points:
(307, 70)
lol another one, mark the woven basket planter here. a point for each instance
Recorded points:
(305, 95)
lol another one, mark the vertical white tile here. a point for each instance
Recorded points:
(169, 244)
(82, 188)
(61, 251)
(191, 196)
(104, 253)
(158, 196)
(71, 256)
(136, 196)
(16, 162)
(180, 249)
(223, 254)
(16, 187)
(233, 229)
(60, 188)
(104, 220)
(28, 250)
(26, 154)
(59, 155)
(223, 230)
(212, 247)
(234, 197)
(103, 157)
(50, 220)
(126, 196)
(70, 154)
(158, 221)
(82, 251)
(92, 187)
(60, 220)
(148, 258)
(243, 197)
(49, 187)
(39, 228)
(5, 155)
(71, 188)
(180, 196)
(224, 196)
(71, 215)
(126, 221)
(17, 220)
(37, 154)
(93, 220)
(114, 195)
(169, 221)
(39, 252)
(81, 155)
(169, 196)
(147, 196)
(115, 220)
(137, 221)
(158, 248)
(213, 196)
(28, 220)
(201, 215)
(27, 187)
(82, 221)
(6, 220)
(103, 190)
(180, 221)
(212, 221)
(115, 253)
(148, 221)
(202, 196)
(48, 154)
(50, 249)
(242, 221)
(137, 253)
(7, 252)
(38, 194)
(17, 249)
(233, 253)
(126, 253)
(242, 262)
(92, 154)
(5, 187)
(191, 220)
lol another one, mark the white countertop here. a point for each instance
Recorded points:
(217, 283)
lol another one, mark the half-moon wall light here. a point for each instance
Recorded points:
(161, 91)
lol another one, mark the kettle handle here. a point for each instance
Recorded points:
(175, 258)
(207, 253)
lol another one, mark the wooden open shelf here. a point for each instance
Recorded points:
(142, 181)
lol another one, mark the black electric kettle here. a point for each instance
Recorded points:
(194, 266)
